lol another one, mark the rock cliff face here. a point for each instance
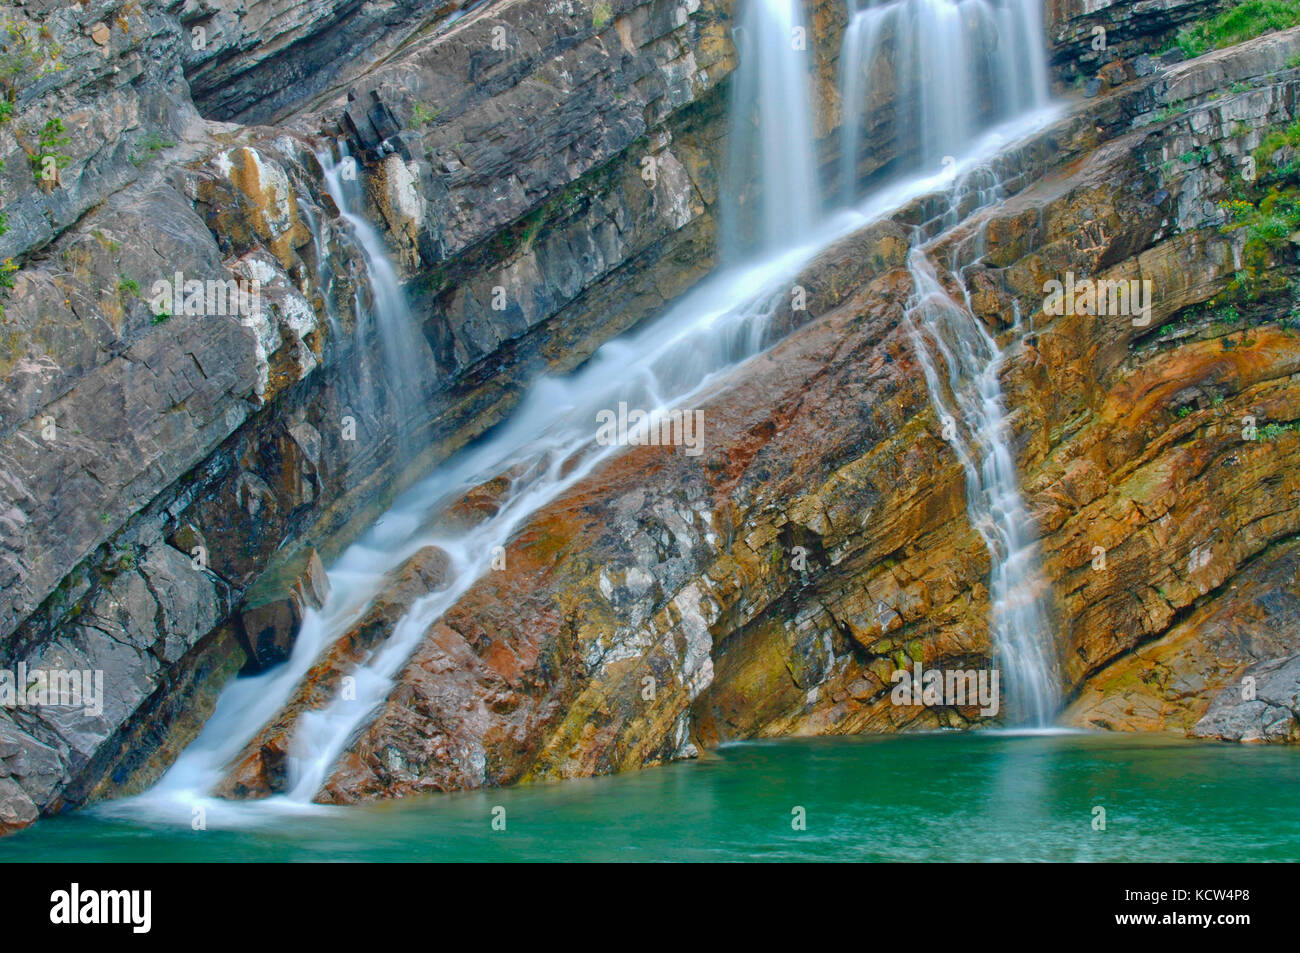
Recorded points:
(1085, 35)
(772, 586)
(170, 482)
(156, 465)
(250, 62)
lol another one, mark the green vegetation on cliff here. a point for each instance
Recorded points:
(26, 54)
(1267, 206)
(1242, 22)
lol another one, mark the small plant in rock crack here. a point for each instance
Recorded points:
(152, 144)
(1201, 156)
(26, 54)
(7, 270)
(1171, 110)
(422, 115)
(47, 158)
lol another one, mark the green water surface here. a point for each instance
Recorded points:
(950, 796)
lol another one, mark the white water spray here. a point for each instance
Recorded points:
(548, 443)
(407, 358)
(772, 145)
(955, 67)
(947, 335)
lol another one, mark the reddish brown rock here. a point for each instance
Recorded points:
(773, 585)
(1168, 684)
(260, 770)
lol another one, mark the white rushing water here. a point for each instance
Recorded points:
(954, 66)
(971, 408)
(771, 136)
(957, 65)
(547, 445)
(405, 353)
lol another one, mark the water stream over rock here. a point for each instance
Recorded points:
(962, 361)
(547, 446)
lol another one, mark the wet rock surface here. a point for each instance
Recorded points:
(163, 462)
(160, 472)
(1087, 36)
(261, 768)
(274, 608)
(1171, 683)
(773, 586)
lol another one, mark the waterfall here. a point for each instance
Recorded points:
(856, 60)
(548, 441)
(957, 67)
(771, 140)
(945, 333)
(406, 356)
(960, 66)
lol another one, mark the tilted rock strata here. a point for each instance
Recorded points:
(1169, 684)
(657, 606)
(221, 437)
(190, 454)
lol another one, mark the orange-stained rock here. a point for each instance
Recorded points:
(1168, 684)
(772, 585)
(260, 769)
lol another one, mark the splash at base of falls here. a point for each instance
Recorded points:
(550, 442)
(959, 65)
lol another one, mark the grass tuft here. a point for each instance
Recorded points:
(1243, 22)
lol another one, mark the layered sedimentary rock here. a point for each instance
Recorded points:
(248, 61)
(773, 585)
(1201, 662)
(156, 463)
(166, 477)
(1086, 35)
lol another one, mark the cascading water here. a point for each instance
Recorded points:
(947, 334)
(549, 442)
(959, 65)
(405, 353)
(857, 58)
(772, 145)
(955, 67)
